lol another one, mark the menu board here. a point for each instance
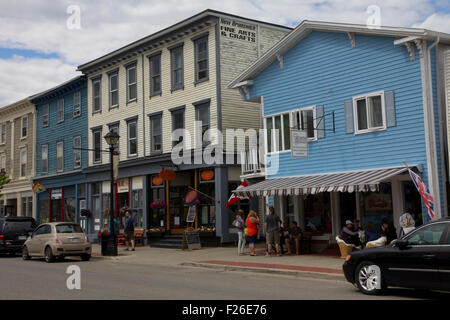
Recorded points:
(191, 214)
(191, 240)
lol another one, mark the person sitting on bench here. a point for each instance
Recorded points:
(295, 234)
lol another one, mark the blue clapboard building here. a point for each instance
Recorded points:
(61, 128)
(365, 100)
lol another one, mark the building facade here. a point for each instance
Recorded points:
(168, 81)
(17, 128)
(61, 133)
(360, 103)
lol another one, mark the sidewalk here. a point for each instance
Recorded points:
(226, 259)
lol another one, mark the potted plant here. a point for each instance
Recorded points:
(207, 231)
(155, 232)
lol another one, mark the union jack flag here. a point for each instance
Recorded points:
(424, 193)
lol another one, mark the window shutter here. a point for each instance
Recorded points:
(389, 103)
(320, 120)
(292, 119)
(348, 107)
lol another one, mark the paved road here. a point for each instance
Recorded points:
(111, 279)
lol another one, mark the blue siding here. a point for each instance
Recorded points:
(64, 131)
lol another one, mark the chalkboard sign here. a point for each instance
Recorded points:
(191, 214)
(191, 240)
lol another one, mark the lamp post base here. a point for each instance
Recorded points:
(111, 247)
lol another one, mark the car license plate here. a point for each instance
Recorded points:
(74, 240)
(22, 237)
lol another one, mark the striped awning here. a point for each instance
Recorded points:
(349, 181)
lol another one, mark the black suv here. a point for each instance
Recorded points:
(13, 233)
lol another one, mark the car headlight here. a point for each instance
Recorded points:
(348, 258)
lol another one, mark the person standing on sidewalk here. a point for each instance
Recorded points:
(272, 225)
(129, 230)
(240, 225)
(252, 230)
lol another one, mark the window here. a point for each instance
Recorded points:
(115, 128)
(60, 156)
(97, 143)
(23, 163)
(202, 115)
(131, 83)
(3, 133)
(156, 133)
(3, 162)
(178, 123)
(303, 118)
(113, 90)
(27, 206)
(155, 74)
(44, 158)
(76, 104)
(96, 95)
(201, 59)
(369, 112)
(24, 126)
(176, 58)
(428, 235)
(77, 152)
(60, 110)
(132, 138)
(45, 115)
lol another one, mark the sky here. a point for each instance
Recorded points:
(42, 42)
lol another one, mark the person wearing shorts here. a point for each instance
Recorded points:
(272, 225)
(252, 230)
(129, 231)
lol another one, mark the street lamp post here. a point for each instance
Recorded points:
(111, 139)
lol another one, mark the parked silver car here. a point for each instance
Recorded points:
(57, 240)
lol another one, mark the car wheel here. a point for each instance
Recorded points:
(85, 257)
(25, 255)
(49, 257)
(369, 279)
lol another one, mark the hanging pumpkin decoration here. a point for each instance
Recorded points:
(157, 180)
(207, 175)
(167, 174)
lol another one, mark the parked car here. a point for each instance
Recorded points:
(13, 233)
(420, 260)
(57, 240)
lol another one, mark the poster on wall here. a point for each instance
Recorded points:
(56, 193)
(122, 185)
(191, 214)
(378, 202)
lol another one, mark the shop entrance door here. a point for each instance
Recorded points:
(178, 209)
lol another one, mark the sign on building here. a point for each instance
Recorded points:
(122, 185)
(233, 29)
(299, 143)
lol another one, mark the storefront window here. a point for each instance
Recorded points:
(56, 210)
(69, 209)
(289, 207)
(137, 207)
(347, 202)
(413, 202)
(318, 212)
(96, 201)
(206, 210)
(374, 206)
(27, 206)
(82, 191)
(105, 214)
(157, 214)
(43, 211)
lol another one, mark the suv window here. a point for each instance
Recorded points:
(14, 226)
(1, 225)
(68, 228)
(428, 235)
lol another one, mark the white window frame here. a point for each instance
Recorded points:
(45, 115)
(76, 152)
(355, 112)
(94, 132)
(3, 162)
(42, 158)
(281, 114)
(129, 84)
(22, 127)
(3, 133)
(94, 97)
(114, 74)
(59, 104)
(60, 143)
(77, 104)
(129, 139)
(23, 170)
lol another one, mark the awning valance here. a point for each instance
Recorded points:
(349, 181)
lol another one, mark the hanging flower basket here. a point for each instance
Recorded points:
(85, 213)
(158, 204)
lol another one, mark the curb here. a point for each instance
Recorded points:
(309, 274)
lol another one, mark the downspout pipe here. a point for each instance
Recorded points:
(433, 130)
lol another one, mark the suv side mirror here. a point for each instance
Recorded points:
(401, 243)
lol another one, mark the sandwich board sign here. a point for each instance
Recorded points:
(299, 143)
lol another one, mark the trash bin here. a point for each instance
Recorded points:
(104, 241)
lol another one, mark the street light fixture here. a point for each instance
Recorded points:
(111, 139)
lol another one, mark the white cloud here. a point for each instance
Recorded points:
(21, 77)
(437, 22)
(105, 26)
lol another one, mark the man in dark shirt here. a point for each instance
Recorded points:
(295, 234)
(129, 230)
(272, 225)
